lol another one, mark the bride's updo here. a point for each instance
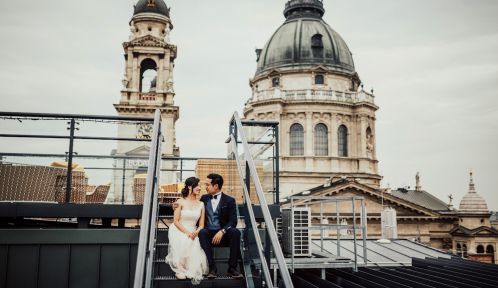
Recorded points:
(190, 182)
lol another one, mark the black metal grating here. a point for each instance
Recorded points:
(429, 272)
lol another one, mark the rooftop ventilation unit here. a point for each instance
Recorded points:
(389, 223)
(297, 218)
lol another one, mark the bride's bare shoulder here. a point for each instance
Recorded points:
(180, 202)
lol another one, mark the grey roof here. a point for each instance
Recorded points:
(421, 198)
(398, 252)
(158, 7)
(494, 216)
(290, 47)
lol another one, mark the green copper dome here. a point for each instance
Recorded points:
(305, 40)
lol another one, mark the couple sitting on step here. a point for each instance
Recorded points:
(198, 226)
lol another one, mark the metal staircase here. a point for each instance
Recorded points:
(151, 269)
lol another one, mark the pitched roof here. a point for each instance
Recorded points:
(471, 232)
(343, 183)
(421, 198)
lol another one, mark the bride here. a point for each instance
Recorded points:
(185, 255)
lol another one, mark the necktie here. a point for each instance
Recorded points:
(214, 197)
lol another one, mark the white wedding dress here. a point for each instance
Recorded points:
(185, 256)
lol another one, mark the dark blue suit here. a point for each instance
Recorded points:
(226, 216)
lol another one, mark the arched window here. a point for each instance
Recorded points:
(296, 140)
(317, 46)
(148, 72)
(464, 251)
(490, 249)
(319, 79)
(480, 249)
(275, 82)
(316, 41)
(342, 138)
(321, 140)
(459, 249)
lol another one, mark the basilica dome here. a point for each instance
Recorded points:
(305, 40)
(473, 202)
(151, 6)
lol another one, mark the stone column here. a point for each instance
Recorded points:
(333, 132)
(308, 135)
(363, 137)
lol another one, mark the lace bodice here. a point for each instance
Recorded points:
(189, 216)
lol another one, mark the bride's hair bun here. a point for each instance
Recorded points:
(190, 182)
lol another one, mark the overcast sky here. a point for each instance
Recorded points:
(433, 65)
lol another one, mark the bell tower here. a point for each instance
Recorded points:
(148, 79)
(147, 85)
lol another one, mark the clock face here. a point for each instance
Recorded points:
(144, 131)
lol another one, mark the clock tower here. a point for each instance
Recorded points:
(147, 85)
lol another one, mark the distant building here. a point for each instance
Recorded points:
(306, 80)
(147, 86)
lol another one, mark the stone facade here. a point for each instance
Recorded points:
(148, 50)
(293, 96)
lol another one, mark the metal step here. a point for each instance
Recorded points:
(220, 282)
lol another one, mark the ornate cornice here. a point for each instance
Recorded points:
(149, 109)
(150, 41)
(255, 104)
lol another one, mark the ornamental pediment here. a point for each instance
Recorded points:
(373, 198)
(147, 41)
(480, 231)
(319, 69)
(139, 151)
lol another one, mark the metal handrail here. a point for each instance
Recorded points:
(73, 116)
(264, 263)
(272, 233)
(148, 224)
(337, 199)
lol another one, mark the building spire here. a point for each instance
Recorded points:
(472, 187)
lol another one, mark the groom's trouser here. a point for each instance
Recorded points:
(230, 239)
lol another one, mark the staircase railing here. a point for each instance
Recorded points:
(237, 133)
(148, 226)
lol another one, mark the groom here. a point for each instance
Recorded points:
(220, 225)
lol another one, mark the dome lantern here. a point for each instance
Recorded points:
(473, 202)
(300, 8)
(151, 6)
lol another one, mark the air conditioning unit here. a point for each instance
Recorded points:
(278, 227)
(389, 223)
(302, 237)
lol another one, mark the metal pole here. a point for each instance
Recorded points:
(321, 230)
(354, 236)
(181, 170)
(248, 179)
(364, 230)
(338, 231)
(123, 184)
(292, 233)
(277, 164)
(70, 161)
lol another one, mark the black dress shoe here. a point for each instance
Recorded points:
(234, 273)
(211, 274)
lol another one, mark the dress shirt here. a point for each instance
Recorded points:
(215, 201)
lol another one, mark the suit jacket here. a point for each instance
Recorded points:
(227, 210)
